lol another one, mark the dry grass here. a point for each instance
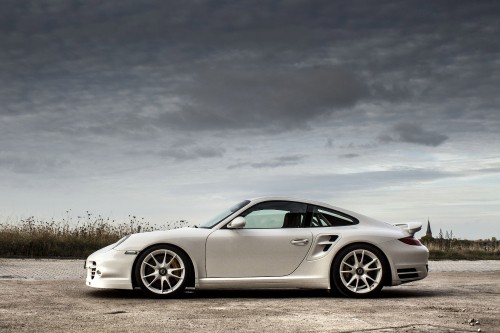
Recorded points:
(463, 249)
(37, 238)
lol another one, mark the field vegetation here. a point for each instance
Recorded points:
(462, 249)
(68, 238)
(77, 238)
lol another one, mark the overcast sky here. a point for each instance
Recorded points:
(176, 109)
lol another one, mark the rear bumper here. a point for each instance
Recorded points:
(410, 273)
(408, 262)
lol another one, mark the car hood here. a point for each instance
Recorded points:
(177, 237)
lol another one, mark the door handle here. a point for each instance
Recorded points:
(300, 242)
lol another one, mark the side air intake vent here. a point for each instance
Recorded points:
(407, 273)
(322, 245)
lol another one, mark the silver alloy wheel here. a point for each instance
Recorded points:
(360, 271)
(162, 271)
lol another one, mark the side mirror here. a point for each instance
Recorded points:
(237, 223)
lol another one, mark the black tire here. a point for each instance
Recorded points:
(162, 271)
(359, 271)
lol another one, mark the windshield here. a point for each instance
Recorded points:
(223, 215)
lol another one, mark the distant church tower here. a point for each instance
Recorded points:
(428, 233)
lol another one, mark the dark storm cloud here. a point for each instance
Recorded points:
(285, 98)
(139, 69)
(414, 133)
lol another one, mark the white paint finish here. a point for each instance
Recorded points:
(255, 252)
(263, 258)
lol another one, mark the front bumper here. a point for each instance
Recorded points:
(109, 268)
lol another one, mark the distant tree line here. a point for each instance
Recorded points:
(446, 246)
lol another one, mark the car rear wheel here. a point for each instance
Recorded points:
(162, 271)
(358, 270)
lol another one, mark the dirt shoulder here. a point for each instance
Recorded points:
(440, 303)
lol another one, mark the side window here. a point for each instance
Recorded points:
(275, 214)
(323, 217)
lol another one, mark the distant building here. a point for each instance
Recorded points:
(428, 233)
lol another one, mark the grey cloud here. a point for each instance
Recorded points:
(25, 164)
(182, 152)
(413, 133)
(350, 155)
(272, 163)
(332, 184)
(185, 154)
(329, 143)
(280, 98)
(367, 180)
(483, 171)
(246, 64)
(117, 72)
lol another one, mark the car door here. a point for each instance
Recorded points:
(273, 243)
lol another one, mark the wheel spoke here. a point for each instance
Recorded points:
(154, 280)
(172, 270)
(168, 282)
(351, 280)
(369, 277)
(362, 257)
(170, 262)
(176, 269)
(357, 283)
(164, 258)
(370, 263)
(156, 261)
(356, 262)
(149, 264)
(152, 274)
(363, 278)
(372, 269)
(345, 263)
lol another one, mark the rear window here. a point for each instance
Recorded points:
(323, 217)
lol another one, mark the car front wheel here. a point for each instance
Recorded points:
(358, 270)
(162, 271)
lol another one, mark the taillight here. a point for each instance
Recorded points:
(410, 240)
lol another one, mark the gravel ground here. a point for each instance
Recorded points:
(50, 296)
(54, 269)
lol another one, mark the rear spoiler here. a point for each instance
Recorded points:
(410, 227)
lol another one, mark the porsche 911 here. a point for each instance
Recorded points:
(266, 243)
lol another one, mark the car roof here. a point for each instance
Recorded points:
(282, 198)
(362, 218)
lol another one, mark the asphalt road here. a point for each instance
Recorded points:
(60, 302)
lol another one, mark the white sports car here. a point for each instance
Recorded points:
(263, 243)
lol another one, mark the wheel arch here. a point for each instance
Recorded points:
(190, 282)
(387, 277)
